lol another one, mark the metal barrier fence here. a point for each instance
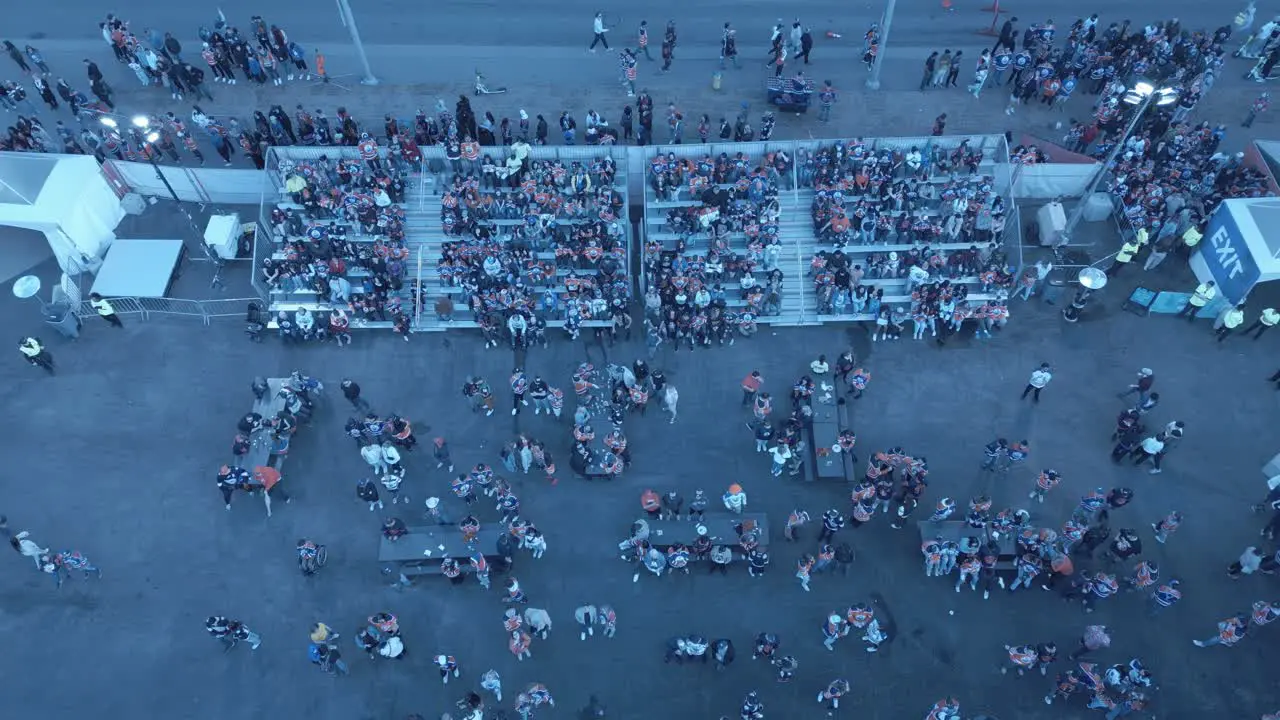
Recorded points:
(206, 310)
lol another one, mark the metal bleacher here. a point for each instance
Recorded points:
(799, 303)
(423, 233)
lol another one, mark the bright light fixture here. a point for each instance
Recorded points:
(110, 122)
(1143, 88)
(141, 121)
(153, 136)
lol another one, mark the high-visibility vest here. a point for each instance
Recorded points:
(1203, 294)
(1127, 252)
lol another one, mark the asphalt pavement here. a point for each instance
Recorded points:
(547, 69)
(116, 457)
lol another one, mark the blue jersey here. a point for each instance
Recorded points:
(1022, 60)
(1166, 596)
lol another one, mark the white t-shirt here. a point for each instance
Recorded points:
(1040, 378)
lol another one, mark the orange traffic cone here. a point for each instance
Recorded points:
(946, 5)
(833, 34)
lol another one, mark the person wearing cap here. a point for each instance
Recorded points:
(1204, 294)
(1228, 321)
(735, 499)
(1265, 321)
(1146, 378)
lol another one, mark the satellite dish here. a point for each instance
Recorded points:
(27, 286)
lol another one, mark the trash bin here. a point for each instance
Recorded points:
(63, 319)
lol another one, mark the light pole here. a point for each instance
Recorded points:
(1144, 95)
(349, 22)
(144, 137)
(873, 82)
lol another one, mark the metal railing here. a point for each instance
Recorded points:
(206, 310)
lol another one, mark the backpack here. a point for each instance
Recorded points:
(313, 653)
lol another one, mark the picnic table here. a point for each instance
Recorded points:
(591, 470)
(828, 420)
(421, 550)
(957, 530)
(721, 528)
(262, 441)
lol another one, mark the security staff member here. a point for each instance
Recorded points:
(35, 353)
(1266, 320)
(1127, 251)
(1231, 319)
(105, 311)
(1204, 294)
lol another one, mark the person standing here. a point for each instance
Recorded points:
(827, 97)
(642, 40)
(351, 391)
(1247, 564)
(1164, 597)
(1257, 107)
(806, 45)
(105, 310)
(1204, 294)
(17, 56)
(1230, 631)
(1040, 377)
(34, 352)
(1230, 319)
(597, 26)
(1095, 638)
(1167, 526)
(1146, 378)
(939, 125)
(930, 63)
(629, 62)
(941, 69)
(68, 560)
(1265, 321)
(954, 72)
(1126, 253)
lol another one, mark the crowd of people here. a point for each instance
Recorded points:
(344, 223)
(921, 199)
(534, 238)
(726, 199)
(1169, 175)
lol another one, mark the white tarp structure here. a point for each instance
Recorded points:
(1045, 181)
(236, 186)
(65, 197)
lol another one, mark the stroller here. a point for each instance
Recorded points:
(255, 322)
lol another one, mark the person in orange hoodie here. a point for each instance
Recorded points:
(267, 479)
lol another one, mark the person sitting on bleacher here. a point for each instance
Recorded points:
(500, 258)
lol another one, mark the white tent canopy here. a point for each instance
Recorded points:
(65, 197)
